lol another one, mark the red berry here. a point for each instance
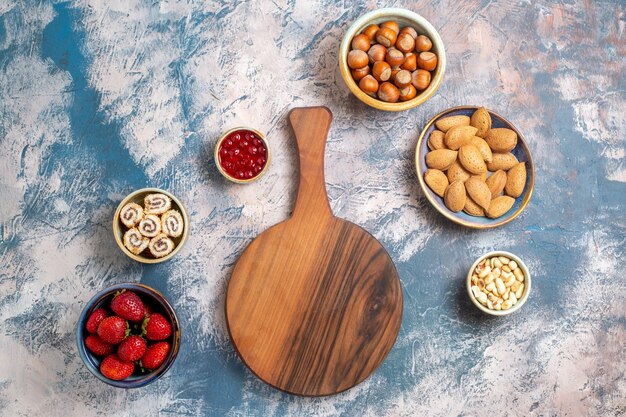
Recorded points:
(128, 305)
(94, 319)
(114, 368)
(112, 329)
(157, 327)
(132, 348)
(155, 355)
(98, 346)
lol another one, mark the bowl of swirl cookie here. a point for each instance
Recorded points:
(150, 225)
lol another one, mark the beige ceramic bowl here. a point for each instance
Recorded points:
(119, 229)
(217, 155)
(404, 18)
(520, 302)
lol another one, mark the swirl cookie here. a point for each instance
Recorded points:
(157, 203)
(135, 241)
(161, 246)
(172, 223)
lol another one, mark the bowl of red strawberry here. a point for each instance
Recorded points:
(128, 335)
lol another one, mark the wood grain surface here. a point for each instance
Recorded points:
(314, 304)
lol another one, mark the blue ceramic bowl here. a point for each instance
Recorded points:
(521, 151)
(158, 303)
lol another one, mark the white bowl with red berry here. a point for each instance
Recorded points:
(128, 335)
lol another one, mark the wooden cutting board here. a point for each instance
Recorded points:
(314, 303)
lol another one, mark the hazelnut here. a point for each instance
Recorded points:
(368, 84)
(359, 73)
(423, 44)
(381, 70)
(361, 42)
(394, 57)
(427, 61)
(386, 37)
(394, 71)
(376, 53)
(410, 62)
(402, 79)
(370, 32)
(408, 93)
(388, 92)
(410, 31)
(405, 43)
(391, 25)
(357, 59)
(420, 79)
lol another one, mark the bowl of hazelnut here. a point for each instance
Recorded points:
(392, 59)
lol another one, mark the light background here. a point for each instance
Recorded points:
(99, 98)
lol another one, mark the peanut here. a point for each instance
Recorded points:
(497, 283)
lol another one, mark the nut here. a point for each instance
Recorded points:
(481, 120)
(440, 158)
(420, 79)
(516, 180)
(427, 61)
(446, 123)
(361, 42)
(357, 59)
(405, 43)
(369, 84)
(435, 140)
(423, 43)
(386, 36)
(408, 93)
(437, 181)
(454, 197)
(493, 286)
(381, 71)
(388, 92)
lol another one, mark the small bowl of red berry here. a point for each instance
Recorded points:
(242, 155)
(128, 335)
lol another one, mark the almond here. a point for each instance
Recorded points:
(435, 140)
(449, 122)
(479, 192)
(440, 158)
(501, 139)
(482, 177)
(504, 161)
(499, 206)
(496, 183)
(472, 208)
(516, 180)
(471, 159)
(457, 172)
(481, 120)
(483, 148)
(436, 180)
(458, 136)
(454, 197)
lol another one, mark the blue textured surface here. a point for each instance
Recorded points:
(99, 98)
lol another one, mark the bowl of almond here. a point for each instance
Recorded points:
(498, 283)
(474, 167)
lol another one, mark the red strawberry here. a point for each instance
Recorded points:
(98, 346)
(155, 355)
(114, 368)
(157, 327)
(128, 305)
(112, 329)
(132, 348)
(94, 319)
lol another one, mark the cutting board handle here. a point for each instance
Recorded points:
(311, 126)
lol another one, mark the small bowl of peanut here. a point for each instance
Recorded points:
(392, 59)
(498, 283)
